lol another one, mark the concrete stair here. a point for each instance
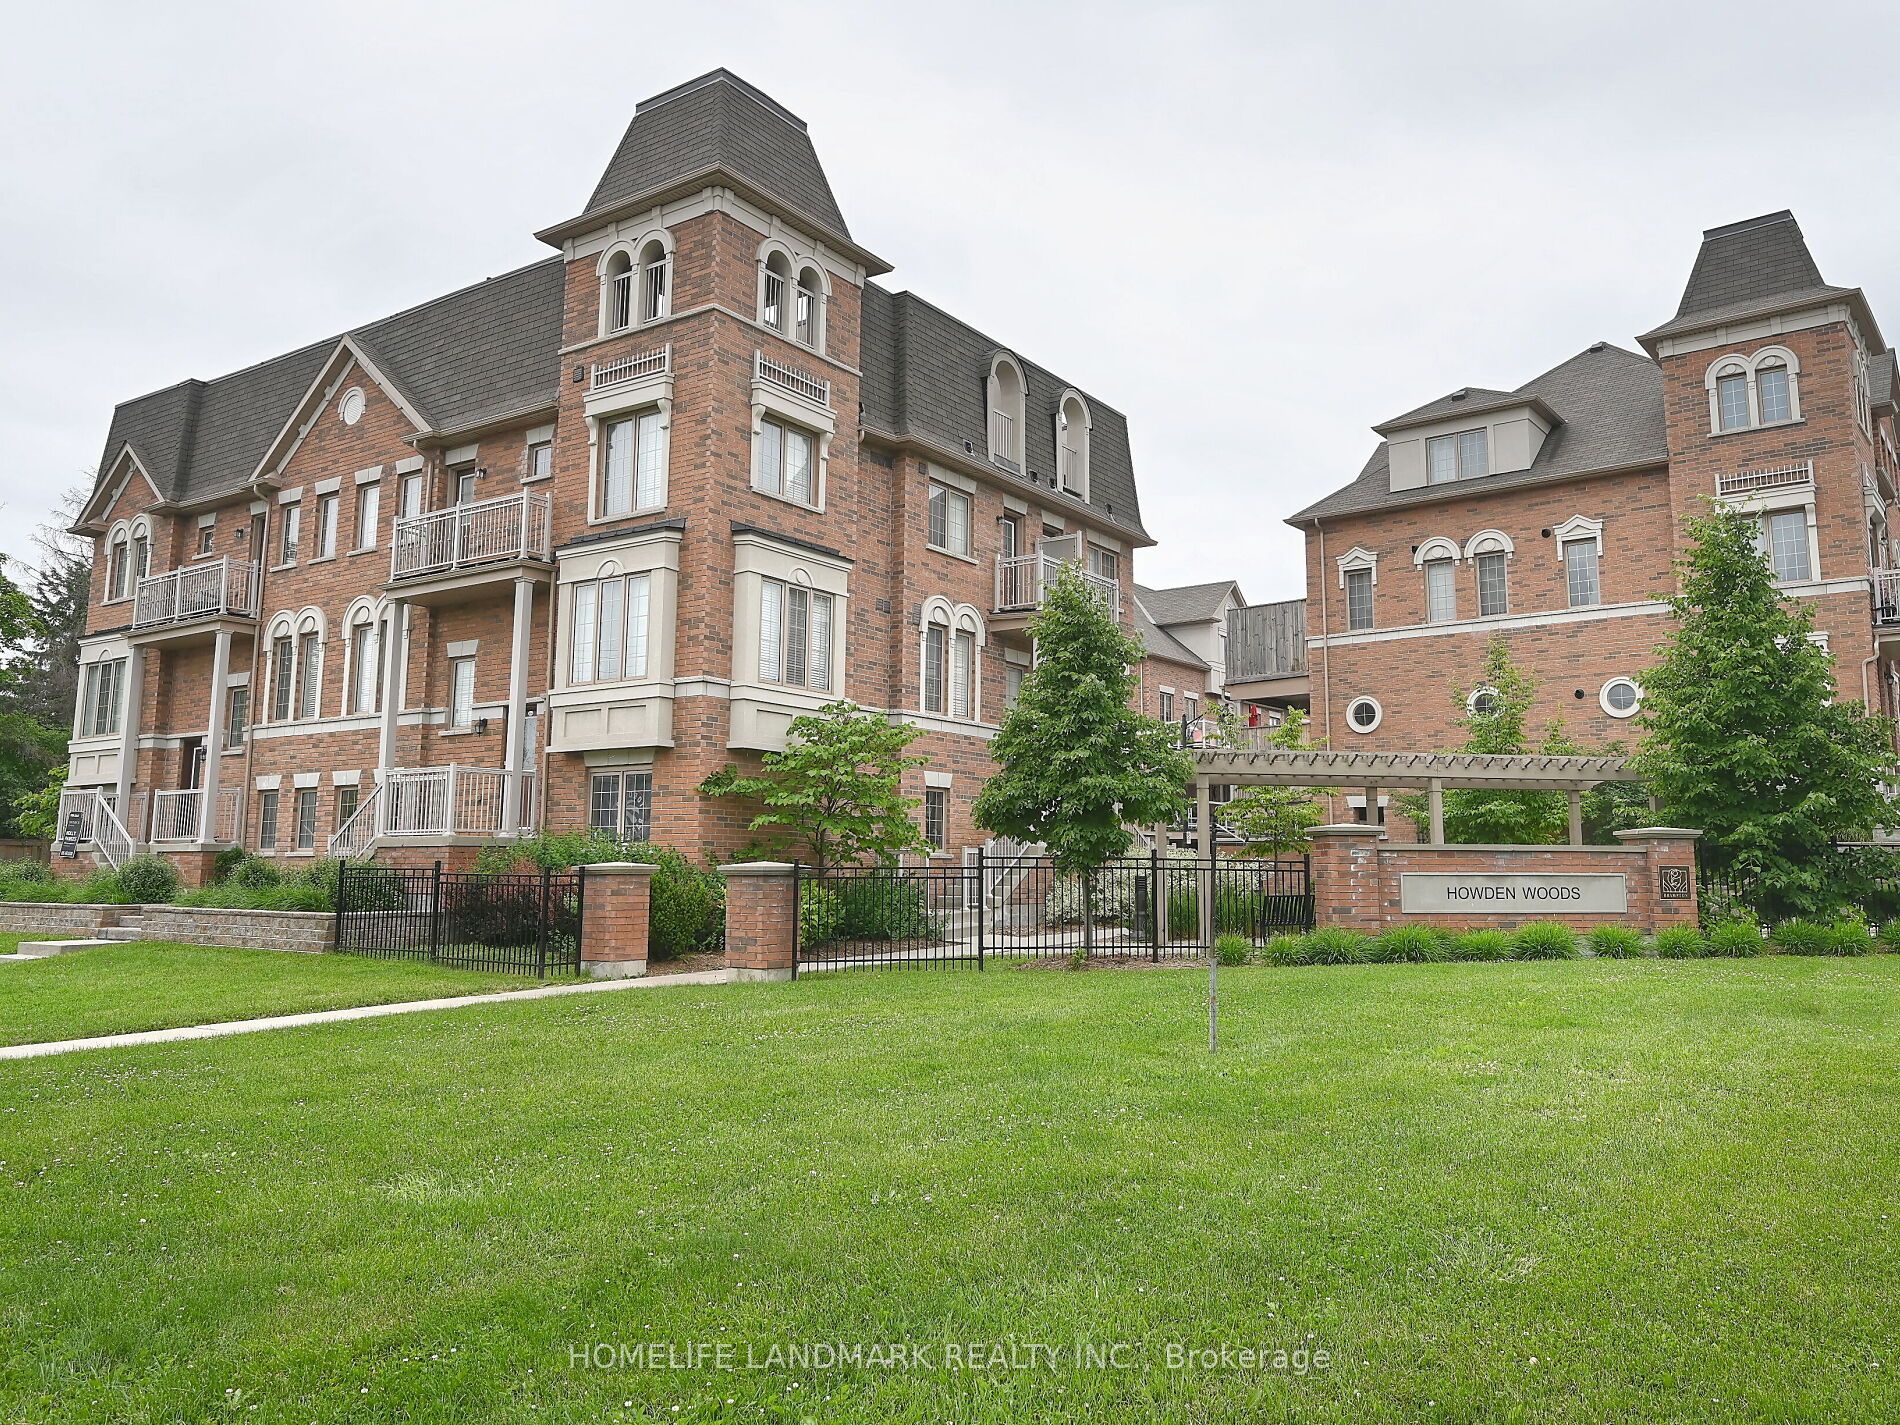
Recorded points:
(45, 949)
(125, 925)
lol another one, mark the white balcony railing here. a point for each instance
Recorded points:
(1886, 596)
(463, 536)
(98, 827)
(176, 815)
(640, 366)
(454, 801)
(198, 591)
(790, 378)
(1023, 580)
(1759, 482)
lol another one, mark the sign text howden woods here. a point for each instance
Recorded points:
(1512, 893)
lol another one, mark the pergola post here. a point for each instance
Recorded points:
(1204, 833)
(1435, 795)
(1372, 806)
(1576, 818)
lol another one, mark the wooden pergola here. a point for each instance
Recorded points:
(1429, 772)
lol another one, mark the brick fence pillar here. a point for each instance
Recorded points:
(1347, 885)
(761, 920)
(1668, 893)
(615, 907)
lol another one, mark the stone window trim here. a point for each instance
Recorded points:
(789, 280)
(636, 282)
(952, 619)
(1368, 701)
(652, 553)
(1604, 697)
(293, 627)
(130, 540)
(1437, 547)
(758, 557)
(1358, 557)
(1478, 695)
(370, 613)
(1575, 530)
(1490, 541)
(1749, 367)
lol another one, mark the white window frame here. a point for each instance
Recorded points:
(950, 498)
(957, 667)
(369, 514)
(650, 433)
(761, 443)
(1603, 697)
(627, 789)
(462, 693)
(1008, 400)
(328, 511)
(1378, 713)
(1748, 366)
(778, 598)
(586, 615)
(1073, 427)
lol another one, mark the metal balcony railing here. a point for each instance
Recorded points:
(790, 378)
(454, 801)
(637, 367)
(1758, 482)
(1023, 580)
(176, 815)
(198, 591)
(513, 527)
(1886, 596)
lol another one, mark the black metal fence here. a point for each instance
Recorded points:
(1864, 876)
(1134, 908)
(522, 923)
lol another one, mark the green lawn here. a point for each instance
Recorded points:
(1586, 1191)
(118, 989)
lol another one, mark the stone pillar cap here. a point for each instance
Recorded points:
(1658, 833)
(1349, 828)
(757, 868)
(619, 868)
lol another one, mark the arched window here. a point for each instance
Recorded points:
(1761, 389)
(1490, 550)
(362, 657)
(1439, 558)
(282, 669)
(775, 290)
(1072, 444)
(951, 678)
(1006, 412)
(309, 657)
(616, 292)
(808, 312)
(141, 551)
(656, 280)
(119, 563)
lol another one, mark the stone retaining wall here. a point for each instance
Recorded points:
(57, 918)
(311, 931)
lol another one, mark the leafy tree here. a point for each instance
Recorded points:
(1275, 821)
(1745, 736)
(835, 791)
(1498, 724)
(1077, 763)
(36, 812)
(57, 600)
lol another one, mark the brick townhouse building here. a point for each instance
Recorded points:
(1551, 513)
(554, 547)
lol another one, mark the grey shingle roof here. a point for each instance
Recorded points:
(482, 353)
(1464, 401)
(1189, 603)
(719, 121)
(1746, 268)
(1157, 642)
(1610, 402)
(1881, 381)
(925, 376)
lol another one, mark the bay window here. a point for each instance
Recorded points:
(101, 696)
(794, 635)
(608, 633)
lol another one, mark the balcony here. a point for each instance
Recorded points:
(428, 802)
(1764, 482)
(195, 595)
(486, 537)
(790, 379)
(1023, 580)
(1886, 590)
(177, 816)
(641, 366)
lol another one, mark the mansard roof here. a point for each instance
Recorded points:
(924, 381)
(1609, 404)
(484, 353)
(1752, 269)
(715, 125)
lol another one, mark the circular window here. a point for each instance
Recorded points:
(1482, 702)
(351, 406)
(1363, 714)
(1620, 697)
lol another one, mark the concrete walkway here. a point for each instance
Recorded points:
(367, 1011)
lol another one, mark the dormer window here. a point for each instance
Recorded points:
(1006, 413)
(1462, 456)
(1072, 445)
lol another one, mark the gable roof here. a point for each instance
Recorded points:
(1188, 603)
(925, 378)
(1749, 269)
(1610, 405)
(715, 124)
(1157, 642)
(485, 352)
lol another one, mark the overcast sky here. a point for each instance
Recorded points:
(1256, 229)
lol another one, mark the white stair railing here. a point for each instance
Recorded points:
(98, 827)
(357, 836)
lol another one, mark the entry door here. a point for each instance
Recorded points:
(192, 772)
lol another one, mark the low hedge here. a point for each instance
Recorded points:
(1547, 940)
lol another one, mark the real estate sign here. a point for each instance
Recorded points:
(1512, 893)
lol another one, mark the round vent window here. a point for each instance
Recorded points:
(1620, 697)
(351, 406)
(1364, 714)
(1482, 702)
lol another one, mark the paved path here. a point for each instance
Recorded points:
(366, 1011)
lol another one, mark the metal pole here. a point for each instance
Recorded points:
(342, 880)
(435, 914)
(1155, 905)
(980, 912)
(798, 914)
(1204, 813)
(541, 938)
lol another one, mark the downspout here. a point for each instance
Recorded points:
(257, 655)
